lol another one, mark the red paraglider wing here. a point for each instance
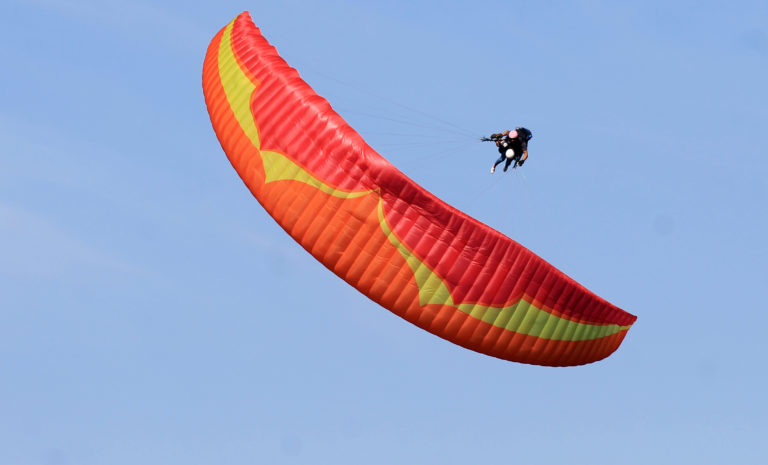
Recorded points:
(381, 232)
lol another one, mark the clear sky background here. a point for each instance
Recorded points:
(152, 313)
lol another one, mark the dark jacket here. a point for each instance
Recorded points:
(519, 144)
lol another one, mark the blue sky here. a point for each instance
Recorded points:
(151, 312)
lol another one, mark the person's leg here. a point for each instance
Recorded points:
(510, 156)
(501, 159)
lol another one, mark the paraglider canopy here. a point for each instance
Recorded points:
(382, 233)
